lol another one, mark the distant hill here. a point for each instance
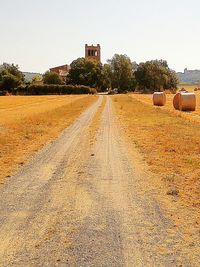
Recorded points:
(29, 76)
(189, 76)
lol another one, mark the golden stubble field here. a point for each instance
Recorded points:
(170, 144)
(192, 116)
(27, 123)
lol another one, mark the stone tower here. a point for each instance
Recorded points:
(93, 52)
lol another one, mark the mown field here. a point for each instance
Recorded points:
(193, 116)
(27, 123)
(170, 144)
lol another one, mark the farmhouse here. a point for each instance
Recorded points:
(91, 52)
(62, 71)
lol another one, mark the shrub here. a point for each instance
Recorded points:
(52, 78)
(9, 81)
(3, 93)
(53, 89)
(10, 77)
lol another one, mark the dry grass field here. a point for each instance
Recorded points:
(188, 87)
(14, 108)
(93, 191)
(170, 144)
(192, 116)
(27, 123)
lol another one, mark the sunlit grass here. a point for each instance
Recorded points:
(192, 116)
(170, 144)
(27, 125)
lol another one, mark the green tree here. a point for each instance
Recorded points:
(10, 77)
(155, 75)
(51, 78)
(106, 77)
(86, 72)
(9, 82)
(122, 72)
(36, 78)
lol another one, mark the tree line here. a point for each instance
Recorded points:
(119, 72)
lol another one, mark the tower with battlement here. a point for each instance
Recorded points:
(93, 52)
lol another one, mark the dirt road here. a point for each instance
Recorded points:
(80, 202)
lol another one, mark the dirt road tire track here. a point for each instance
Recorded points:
(28, 200)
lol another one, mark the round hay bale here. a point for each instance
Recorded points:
(159, 99)
(183, 90)
(176, 101)
(187, 102)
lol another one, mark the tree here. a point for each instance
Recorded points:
(155, 75)
(106, 77)
(36, 78)
(51, 78)
(122, 72)
(86, 72)
(9, 82)
(10, 76)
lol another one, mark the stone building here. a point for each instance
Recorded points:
(189, 76)
(93, 52)
(62, 71)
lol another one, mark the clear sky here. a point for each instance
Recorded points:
(39, 34)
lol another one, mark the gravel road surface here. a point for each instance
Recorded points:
(81, 203)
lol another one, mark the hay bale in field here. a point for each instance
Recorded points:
(159, 99)
(176, 101)
(185, 101)
(183, 90)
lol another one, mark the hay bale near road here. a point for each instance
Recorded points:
(159, 99)
(185, 101)
(176, 101)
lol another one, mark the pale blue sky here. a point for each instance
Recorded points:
(41, 34)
